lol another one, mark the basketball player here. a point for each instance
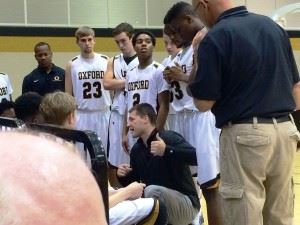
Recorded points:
(84, 80)
(145, 83)
(114, 79)
(7, 109)
(27, 107)
(197, 127)
(168, 62)
(5, 87)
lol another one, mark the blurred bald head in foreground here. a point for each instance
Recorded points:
(43, 182)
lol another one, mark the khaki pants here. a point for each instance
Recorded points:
(256, 163)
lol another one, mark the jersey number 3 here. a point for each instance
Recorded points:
(178, 92)
(87, 90)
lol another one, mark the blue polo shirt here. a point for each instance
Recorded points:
(41, 82)
(246, 65)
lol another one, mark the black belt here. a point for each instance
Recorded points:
(280, 119)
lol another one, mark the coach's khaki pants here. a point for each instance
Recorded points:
(180, 210)
(256, 173)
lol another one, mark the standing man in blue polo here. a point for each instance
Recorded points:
(247, 76)
(47, 77)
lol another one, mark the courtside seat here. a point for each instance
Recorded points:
(92, 144)
(7, 124)
(151, 218)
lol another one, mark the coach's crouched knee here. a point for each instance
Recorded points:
(154, 191)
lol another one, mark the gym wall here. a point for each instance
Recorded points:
(23, 23)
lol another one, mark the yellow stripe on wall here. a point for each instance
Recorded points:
(59, 44)
(68, 44)
(295, 44)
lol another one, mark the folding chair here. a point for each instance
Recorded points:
(7, 124)
(92, 144)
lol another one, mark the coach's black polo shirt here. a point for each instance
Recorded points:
(170, 171)
(246, 65)
(41, 82)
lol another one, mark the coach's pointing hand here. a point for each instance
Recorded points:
(123, 170)
(158, 147)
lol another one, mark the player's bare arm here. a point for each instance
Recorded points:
(109, 82)
(196, 42)
(132, 191)
(203, 105)
(162, 114)
(68, 79)
(125, 141)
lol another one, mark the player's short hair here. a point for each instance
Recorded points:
(83, 32)
(123, 27)
(5, 105)
(135, 36)
(41, 43)
(178, 9)
(27, 105)
(57, 106)
(145, 109)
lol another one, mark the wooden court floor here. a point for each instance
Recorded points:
(296, 188)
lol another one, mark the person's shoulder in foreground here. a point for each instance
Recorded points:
(51, 179)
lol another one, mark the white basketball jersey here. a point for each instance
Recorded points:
(143, 85)
(170, 62)
(167, 61)
(5, 87)
(87, 79)
(180, 99)
(121, 68)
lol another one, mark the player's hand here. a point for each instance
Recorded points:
(123, 170)
(158, 147)
(166, 75)
(134, 190)
(175, 73)
(125, 143)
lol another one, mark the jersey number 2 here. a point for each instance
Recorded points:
(87, 90)
(136, 99)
